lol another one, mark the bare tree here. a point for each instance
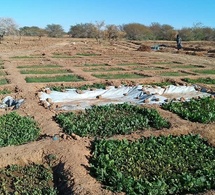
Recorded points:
(113, 33)
(99, 32)
(9, 26)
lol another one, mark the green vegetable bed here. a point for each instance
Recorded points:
(17, 130)
(109, 120)
(207, 80)
(83, 87)
(155, 165)
(196, 110)
(30, 179)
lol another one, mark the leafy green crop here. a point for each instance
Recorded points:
(109, 120)
(3, 81)
(102, 69)
(17, 130)
(161, 84)
(196, 110)
(44, 71)
(207, 80)
(5, 91)
(83, 87)
(30, 179)
(155, 165)
(63, 78)
(40, 66)
(119, 76)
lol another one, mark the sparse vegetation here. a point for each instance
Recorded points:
(212, 71)
(29, 179)
(129, 64)
(119, 76)
(41, 66)
(61, 55)
(147, 68)
(25, 57)
(102, 69)
(207, 80)
(187, 66)
(162, 62)
(63, 78)
(5, 91)
(161, 84)
(87, 54)
(44, 71)
(2, 73)
(173, 74)
(3, 81)
(83, 87)
(95, 64)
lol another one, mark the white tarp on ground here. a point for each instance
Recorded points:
(71, 99)
(8, 101)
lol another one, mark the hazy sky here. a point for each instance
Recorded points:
(177, 13)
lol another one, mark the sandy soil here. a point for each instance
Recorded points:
(74, 152)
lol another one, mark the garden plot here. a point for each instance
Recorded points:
(73, 99)
(147, 68)
(103, 69)
(44, 71)
(159, 164)
(25, 57)
(40, 66)
(119, 75)
(208, 71)
(189, 66)
(2, 73)
(3, 81)
(174, 74)
(58, 78)
(77, 55)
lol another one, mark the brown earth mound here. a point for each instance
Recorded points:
(144, 48)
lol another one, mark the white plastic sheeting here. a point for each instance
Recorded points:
(8, 101)
(72, 100)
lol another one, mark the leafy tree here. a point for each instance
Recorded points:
(209, 34)
(54, 30)
(32, 31)
(167, 32)
(87, 30)
(186, 34)
(136, 31)
(198, 32)
(156, 30)
(162, 32)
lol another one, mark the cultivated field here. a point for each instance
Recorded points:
(30, 65)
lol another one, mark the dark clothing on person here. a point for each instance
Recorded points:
(178, 41)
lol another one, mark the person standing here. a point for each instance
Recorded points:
(178, 41)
